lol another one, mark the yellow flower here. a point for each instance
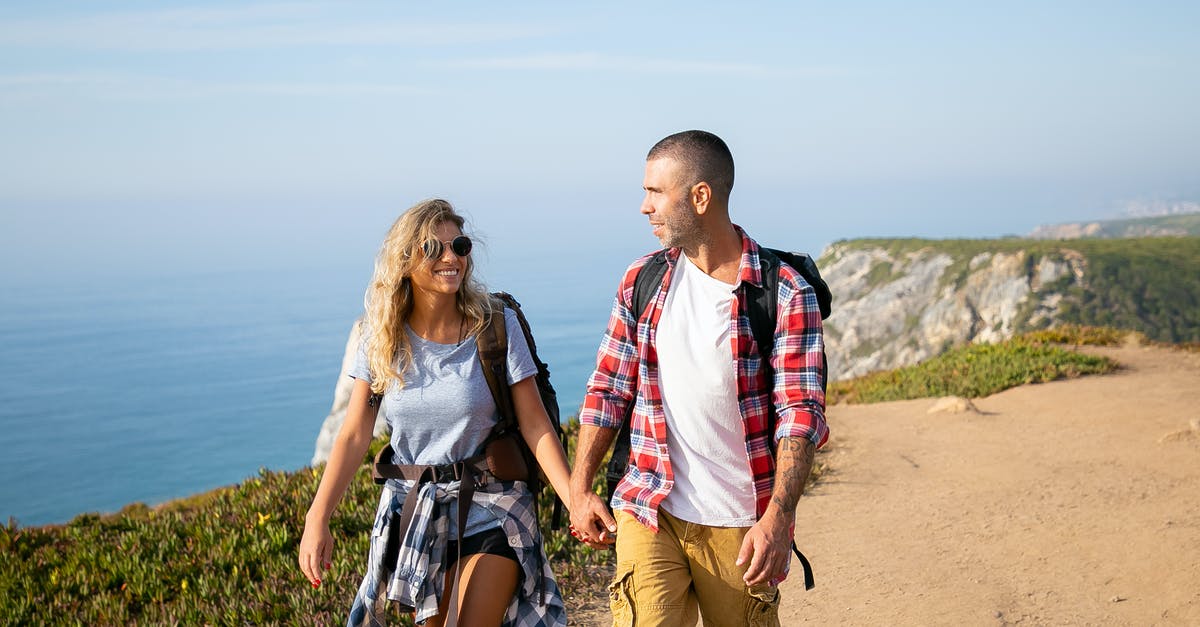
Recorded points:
(263, 518)
(183, 585)
(314, 472)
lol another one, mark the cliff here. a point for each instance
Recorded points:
(341, 398)
(898, 302)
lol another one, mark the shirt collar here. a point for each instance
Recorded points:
(750, 267)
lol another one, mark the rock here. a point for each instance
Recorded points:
(341, 398)
(894, 308)
(953, 405)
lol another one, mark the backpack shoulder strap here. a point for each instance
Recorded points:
(649, 277)
(763, 302)
(492, 343)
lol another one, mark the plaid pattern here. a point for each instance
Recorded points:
(416, 579)
(627, 369)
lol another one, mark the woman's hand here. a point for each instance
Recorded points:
(316, 551)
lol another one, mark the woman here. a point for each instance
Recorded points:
(419, 352)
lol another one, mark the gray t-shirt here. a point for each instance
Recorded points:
(445, 410)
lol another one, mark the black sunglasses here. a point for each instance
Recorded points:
(461, 246)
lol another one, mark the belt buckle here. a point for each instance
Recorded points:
(443, 474)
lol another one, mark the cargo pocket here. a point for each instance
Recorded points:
(620, 596)
(762, 606)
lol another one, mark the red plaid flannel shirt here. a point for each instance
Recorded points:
(627, 362)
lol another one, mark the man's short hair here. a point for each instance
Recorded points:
(703, 157)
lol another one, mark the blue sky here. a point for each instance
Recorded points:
(154, 137)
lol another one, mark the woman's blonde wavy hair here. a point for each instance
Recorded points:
(389, 298)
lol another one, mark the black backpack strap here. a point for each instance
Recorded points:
(647, 282)
(761, 307)
(808, 573)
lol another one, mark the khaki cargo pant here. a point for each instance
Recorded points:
(663, 578)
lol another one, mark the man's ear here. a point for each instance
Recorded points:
(701, 195)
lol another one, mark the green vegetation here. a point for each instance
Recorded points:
(224, 557)
(982, 369)
(881, 273)
(1148, 284)
(1078, 335)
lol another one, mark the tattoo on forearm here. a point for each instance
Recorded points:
(793, 462)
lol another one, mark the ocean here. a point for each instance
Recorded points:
(150, 389)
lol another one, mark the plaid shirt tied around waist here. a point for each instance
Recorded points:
(627, 371)
(416, 579)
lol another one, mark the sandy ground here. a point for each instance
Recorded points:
(1068, 503)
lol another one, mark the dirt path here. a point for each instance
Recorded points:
(1069, 503)
(1074, 502)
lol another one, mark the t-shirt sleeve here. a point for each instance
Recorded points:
(520, 361)
(361, 368)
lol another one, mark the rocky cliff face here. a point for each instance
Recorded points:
(897, 304)
(341, 398)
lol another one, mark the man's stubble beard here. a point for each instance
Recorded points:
(684, 228)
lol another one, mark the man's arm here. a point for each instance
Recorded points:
(793, 463)
(769, 541)
(798, 393)
(611, 388)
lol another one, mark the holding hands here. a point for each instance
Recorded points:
(591, 522)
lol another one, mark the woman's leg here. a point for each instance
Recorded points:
(486, 585)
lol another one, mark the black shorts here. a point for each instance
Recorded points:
(490, 542)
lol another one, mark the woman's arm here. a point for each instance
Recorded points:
(541, 437)
(316, 545)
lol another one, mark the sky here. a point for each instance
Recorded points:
(149, 137)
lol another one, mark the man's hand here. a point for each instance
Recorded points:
(591, 521)
(767, 546)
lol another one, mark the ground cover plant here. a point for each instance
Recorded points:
(978, 370)
(229, 556)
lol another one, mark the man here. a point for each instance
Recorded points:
(705, 513)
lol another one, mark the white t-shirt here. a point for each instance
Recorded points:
(706, 441)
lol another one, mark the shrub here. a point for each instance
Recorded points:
(982, 369)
